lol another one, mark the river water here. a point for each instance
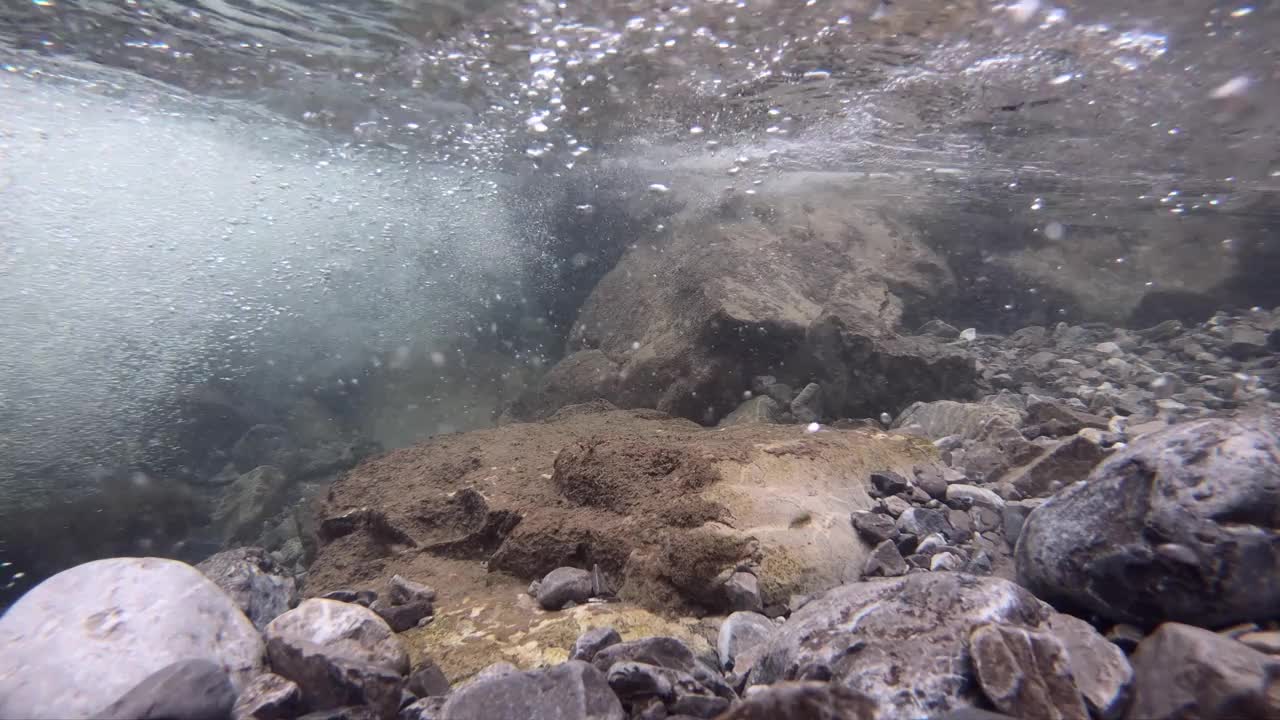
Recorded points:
(241, 203)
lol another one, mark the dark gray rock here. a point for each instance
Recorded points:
(886, 482)
(261, 588)
(1100, 670)
(972, 714)
(404, 591)
(931, 482)
(742, 591)
(885, 561)
(740, 632)
(347, 712)
(1026, 673)
(807, 405)
(563, 586)
(1187, 672)
(593, 641)
(572, 691)
(428, 680)
(1014, 515)
(329, 680)
(632, 681)
(403, 617)
(1181, 525)
(922, 521)
(185, 690)
(268, 697)
(874, 528)
(918, 625)
(667, 652)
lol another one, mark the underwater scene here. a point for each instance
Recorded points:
(639, 359)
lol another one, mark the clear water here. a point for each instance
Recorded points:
(374, 220)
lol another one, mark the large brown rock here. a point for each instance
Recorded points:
(666, 509)
(749, 287)
(1188, 673)
(1182, 525)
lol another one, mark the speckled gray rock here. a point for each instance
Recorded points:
(740, 632)
(185, 690)
(1182, 525)
(885, 560)
(1188, 672)
(572, 691)
(910, 636)
(261, 588)
(563, 586)
(404, 591)
(1065, 463)
(65, 641)
(593, 641)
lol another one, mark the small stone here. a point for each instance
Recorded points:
(743, 592)
(404, 591)
(593, 641)
(740, 632)
(874, 528)
(807, 405)
(632, 681)
(931, 482)
(1108, 348)
(985, 519)
(922, 521)
(402, 617)
(964, 497)
(534, 586)
(885, 483)
(979, 564)
(885, 561)
(268, 697)
(428, 680)
(895, 506)
(1025, 674)
(428, 708)
(931, 544)
(564, 585)
(346, 596)
(697, 704)
(945, 561)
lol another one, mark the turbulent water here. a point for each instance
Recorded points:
(396, 205)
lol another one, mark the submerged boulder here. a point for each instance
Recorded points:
(682, 324)
(902, 642)
(1182, 525)
(82, 639)
(1188, 672)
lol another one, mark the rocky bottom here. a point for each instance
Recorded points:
(1096, 537)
